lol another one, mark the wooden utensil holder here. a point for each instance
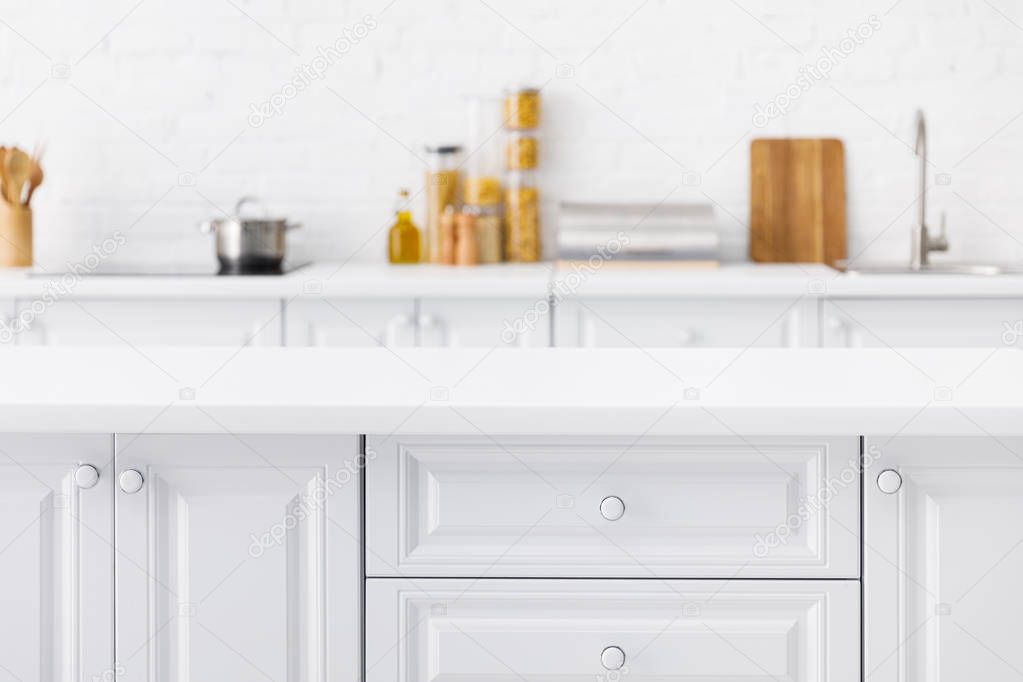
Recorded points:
(15, 236)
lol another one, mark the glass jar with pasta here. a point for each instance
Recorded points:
(521, 151)
(521, 108)
(522, 218)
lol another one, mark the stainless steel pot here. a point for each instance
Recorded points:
(249, 245)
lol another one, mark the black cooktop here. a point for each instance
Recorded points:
(189, 269)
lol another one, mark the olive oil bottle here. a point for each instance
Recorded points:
(404, 239)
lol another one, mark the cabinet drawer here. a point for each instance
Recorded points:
(922, 323)
(686, 323)
(351, 323)
(587, 507)
(109, 322)
(564, 630)
(494, 323)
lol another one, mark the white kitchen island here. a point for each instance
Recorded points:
(413, 515)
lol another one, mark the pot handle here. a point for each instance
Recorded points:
(292, 226)
(248, 200)
(208, 226)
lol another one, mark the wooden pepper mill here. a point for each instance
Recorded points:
(447, 236)
(466, 244)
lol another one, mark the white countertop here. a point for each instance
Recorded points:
(851, 285)
(523, 281)
(541, 392)
(340, 280)
(768, 280)
(750, 280)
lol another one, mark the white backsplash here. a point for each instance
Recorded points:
(147, 109)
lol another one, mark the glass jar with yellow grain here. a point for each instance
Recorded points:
(482, 195)
(521, 108)
(489, 235)
(482, 187)
(521, 151)
(441, 192)
(522, 218)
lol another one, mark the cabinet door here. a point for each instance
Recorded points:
(56, 558)
(585, 507)
(238, 558)
(668, 323)
(8, 328)
(922, 323)
(484, 323)
(151, 323)
(943, 559)
(637, 630)
(352, 324)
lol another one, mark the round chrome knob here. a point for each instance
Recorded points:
(86, 476)
(612, 508)
(612, 658)
(130, 481)
(889, 481)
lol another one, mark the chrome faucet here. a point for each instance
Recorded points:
(923, 242)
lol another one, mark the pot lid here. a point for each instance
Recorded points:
(443, 149)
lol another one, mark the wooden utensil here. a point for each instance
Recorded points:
(17, 168)
(35, 178)
(3, 173)
(797, 200)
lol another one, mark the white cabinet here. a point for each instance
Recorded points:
(8, 328)
(586, 507)
(484, 323)
(56, 556)
(685, 323)
(732, 322)
(922, 323)
(431, 323)
(944, 538)
(165, 322)
(351, 323)
(237, 558)
(583, 630)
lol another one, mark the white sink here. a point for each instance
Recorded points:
(982, 269)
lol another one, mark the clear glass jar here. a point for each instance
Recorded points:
(482, 185)
(522, 108)
(522, 218)
(441, 192)
(521, 151)
(489, 235)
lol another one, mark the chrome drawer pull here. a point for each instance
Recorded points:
(612, 508)
(612, 658)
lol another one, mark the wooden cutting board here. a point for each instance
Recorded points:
(797, 200)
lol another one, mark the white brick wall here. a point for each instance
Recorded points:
(159, 89)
